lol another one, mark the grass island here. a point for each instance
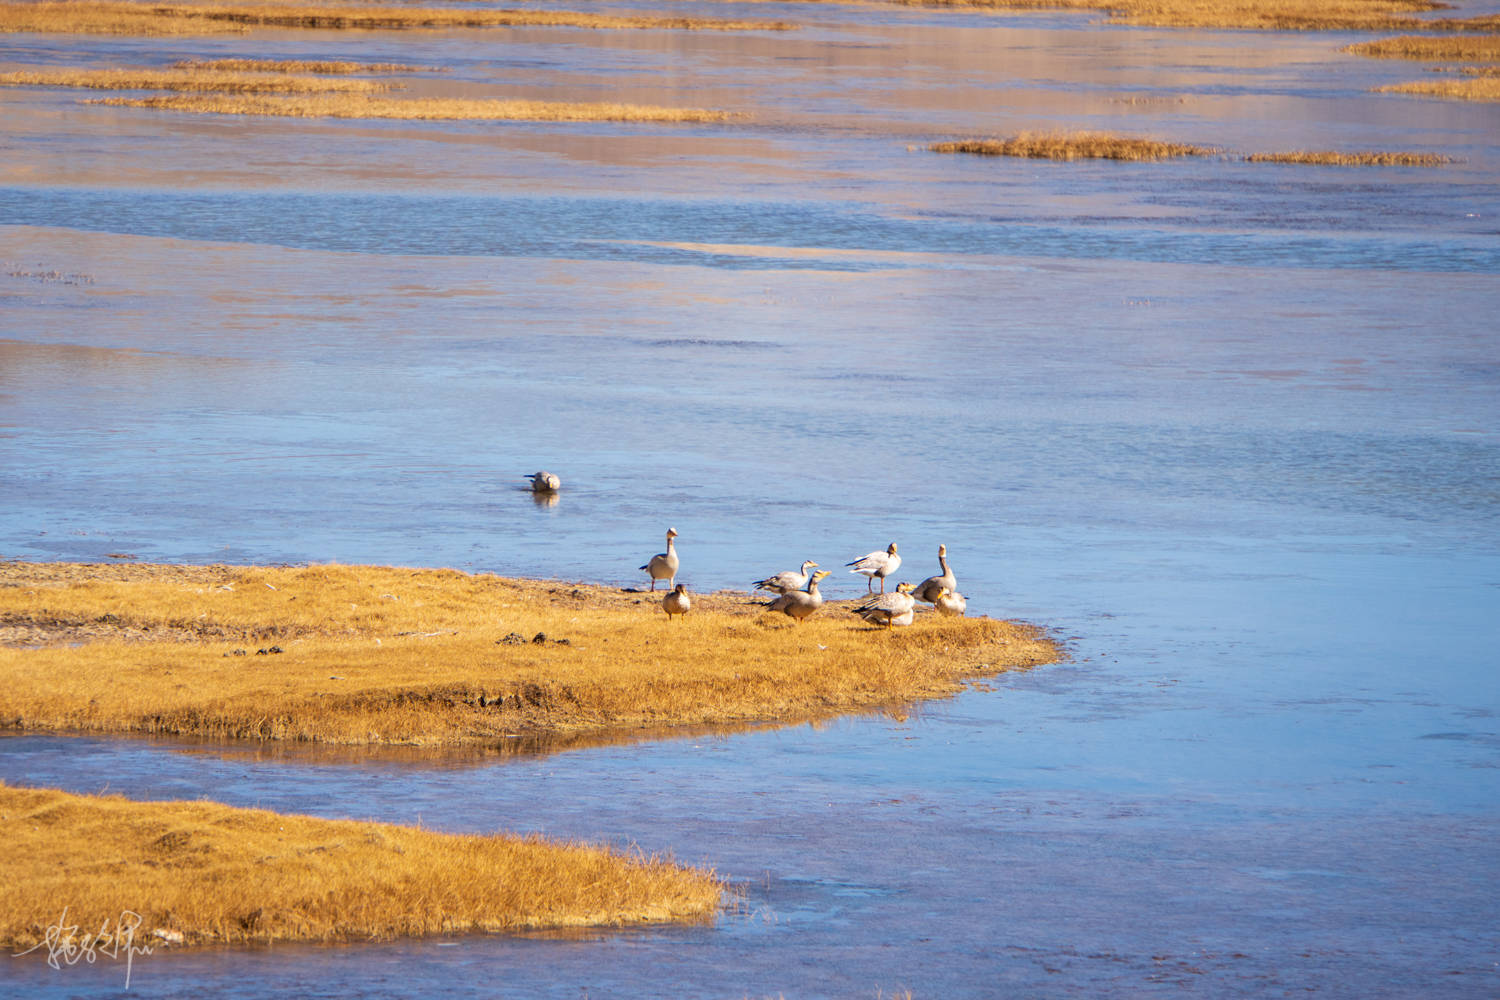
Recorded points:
(435, 657)
(126, 876)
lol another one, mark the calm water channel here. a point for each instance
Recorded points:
(1230, 430)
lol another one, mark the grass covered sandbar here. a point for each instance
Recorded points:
(189, 79)
(383, 655)
(1471, 88)
(1366, 158)
(202, 872)
(1071, 146)
(299, 94)
(123, 17)
(1432, 48)
(1074, 146)
(1262, 15)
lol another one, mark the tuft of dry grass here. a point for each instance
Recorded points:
(299, 66)
(197, 80)
(433, 109)
(202, 872)
(381, 655)
(1434, 48)
(1361, 159)
(122, 17)
(1475, 88)
(1074, 146)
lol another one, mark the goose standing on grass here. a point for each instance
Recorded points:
(663, 565)
(895, 608)
(950, 603)
(877, 564)
(800, 604)
(544, 482)
(787, 580)
(677, 602)
(927, 591)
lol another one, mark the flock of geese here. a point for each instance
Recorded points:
(797, 590)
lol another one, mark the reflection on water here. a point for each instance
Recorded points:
(420, 758)
(1229, 429)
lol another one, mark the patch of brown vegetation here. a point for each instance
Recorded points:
(200, 873)
(1074, 146)
(193, 80)
(124, 17)
(1361, 159)
(431, 109)
(378, 655)
(1434, 48)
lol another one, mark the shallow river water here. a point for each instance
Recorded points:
(1231, 431)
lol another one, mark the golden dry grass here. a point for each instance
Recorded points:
(1434, 48)
(127, 18)
(198, 80)
(299, 66)
(1361, 159)
(1074, 146)
(379, 655)
(434, 109)
(1475, 88)
(215, 874)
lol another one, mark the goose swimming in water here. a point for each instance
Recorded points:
(800, 604)
(895, 608)
(677, 602)
(877, 564)
(787, 580)
(927, 591)
(663, 565)
(544, 482)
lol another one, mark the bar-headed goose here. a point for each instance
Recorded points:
(895, 608)
(663, 565)
(927, 591)
(800, 604)
(787, 580)
(877, 564)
